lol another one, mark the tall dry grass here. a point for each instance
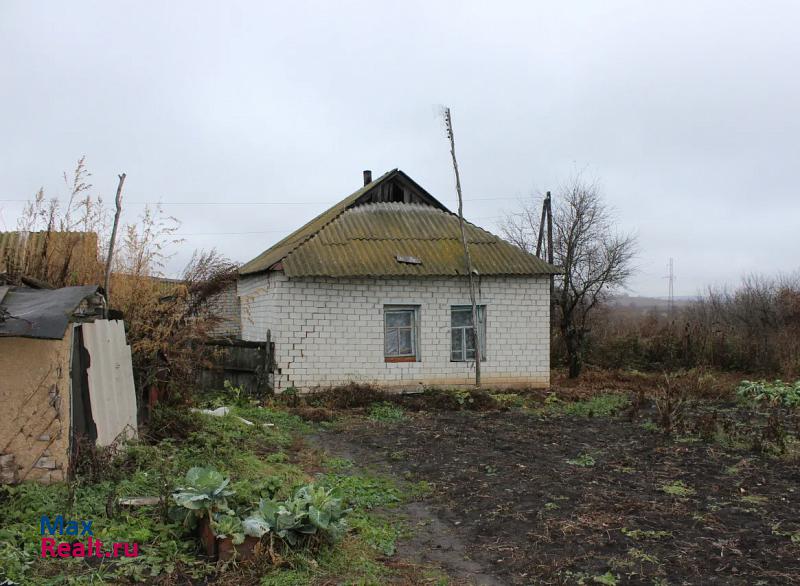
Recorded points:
(753, 328)
(166, 320)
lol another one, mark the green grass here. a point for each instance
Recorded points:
(639, 534)
(511, 400)
(259, 461)
(374, 498)
(597, 406)
(650, 426)
(350, 562)
(386, 413)
(677, 488)
(584, 460)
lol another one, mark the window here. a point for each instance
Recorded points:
(400, 333)
(462, 342)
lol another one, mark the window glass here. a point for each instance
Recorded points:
(400, 332)
(462, 340)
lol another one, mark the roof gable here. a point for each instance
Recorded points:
(379, 228)
(388, 187)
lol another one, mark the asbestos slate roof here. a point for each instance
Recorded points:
(40, 313)
(356, 238)
(278, 251)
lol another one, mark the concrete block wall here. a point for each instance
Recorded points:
(226, 305)
(330, 331)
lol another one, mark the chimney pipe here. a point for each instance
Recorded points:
(367, 177)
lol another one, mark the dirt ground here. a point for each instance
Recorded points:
(526, 499)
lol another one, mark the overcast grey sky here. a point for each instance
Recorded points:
(687, 112)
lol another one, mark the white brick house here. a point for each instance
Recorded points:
(375, 290)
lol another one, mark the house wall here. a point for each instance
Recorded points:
(330, 331)
(226, 305)
(35, 415)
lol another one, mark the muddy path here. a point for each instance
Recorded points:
(520, 499)
(433, 541)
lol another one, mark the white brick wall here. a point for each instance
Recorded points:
(226, 305)
(330, 331)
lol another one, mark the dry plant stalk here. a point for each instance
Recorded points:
(671, 400)
(113, 238)
(448, 120)
(165, 319)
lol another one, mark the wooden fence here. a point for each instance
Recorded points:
(245, 364)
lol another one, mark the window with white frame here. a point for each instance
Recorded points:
(400, 333)
(462, 339)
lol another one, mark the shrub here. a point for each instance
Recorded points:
(177, 422)
(671, 401)
(350, 396)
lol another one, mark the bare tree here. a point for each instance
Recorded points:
(594, 257)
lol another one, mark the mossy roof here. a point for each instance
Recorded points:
(358, 238)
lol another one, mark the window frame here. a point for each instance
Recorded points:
(415, 354)
(481, 332)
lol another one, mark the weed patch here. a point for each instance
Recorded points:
(677, 488)
(597, 406)
(386, 413)
(777, 393)
(639, 534)
(584, 460)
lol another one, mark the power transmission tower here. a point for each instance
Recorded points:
(671, 278)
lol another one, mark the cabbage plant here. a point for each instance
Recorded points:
(312, 512)
(228, 525)
(204, 492)
(777, 393)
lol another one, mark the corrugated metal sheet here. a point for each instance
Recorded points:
(364, 239)
(110, 377)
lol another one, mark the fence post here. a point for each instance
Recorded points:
(267, 364)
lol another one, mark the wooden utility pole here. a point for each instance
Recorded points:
(476, 339)
(117, 213)
(546, 240)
